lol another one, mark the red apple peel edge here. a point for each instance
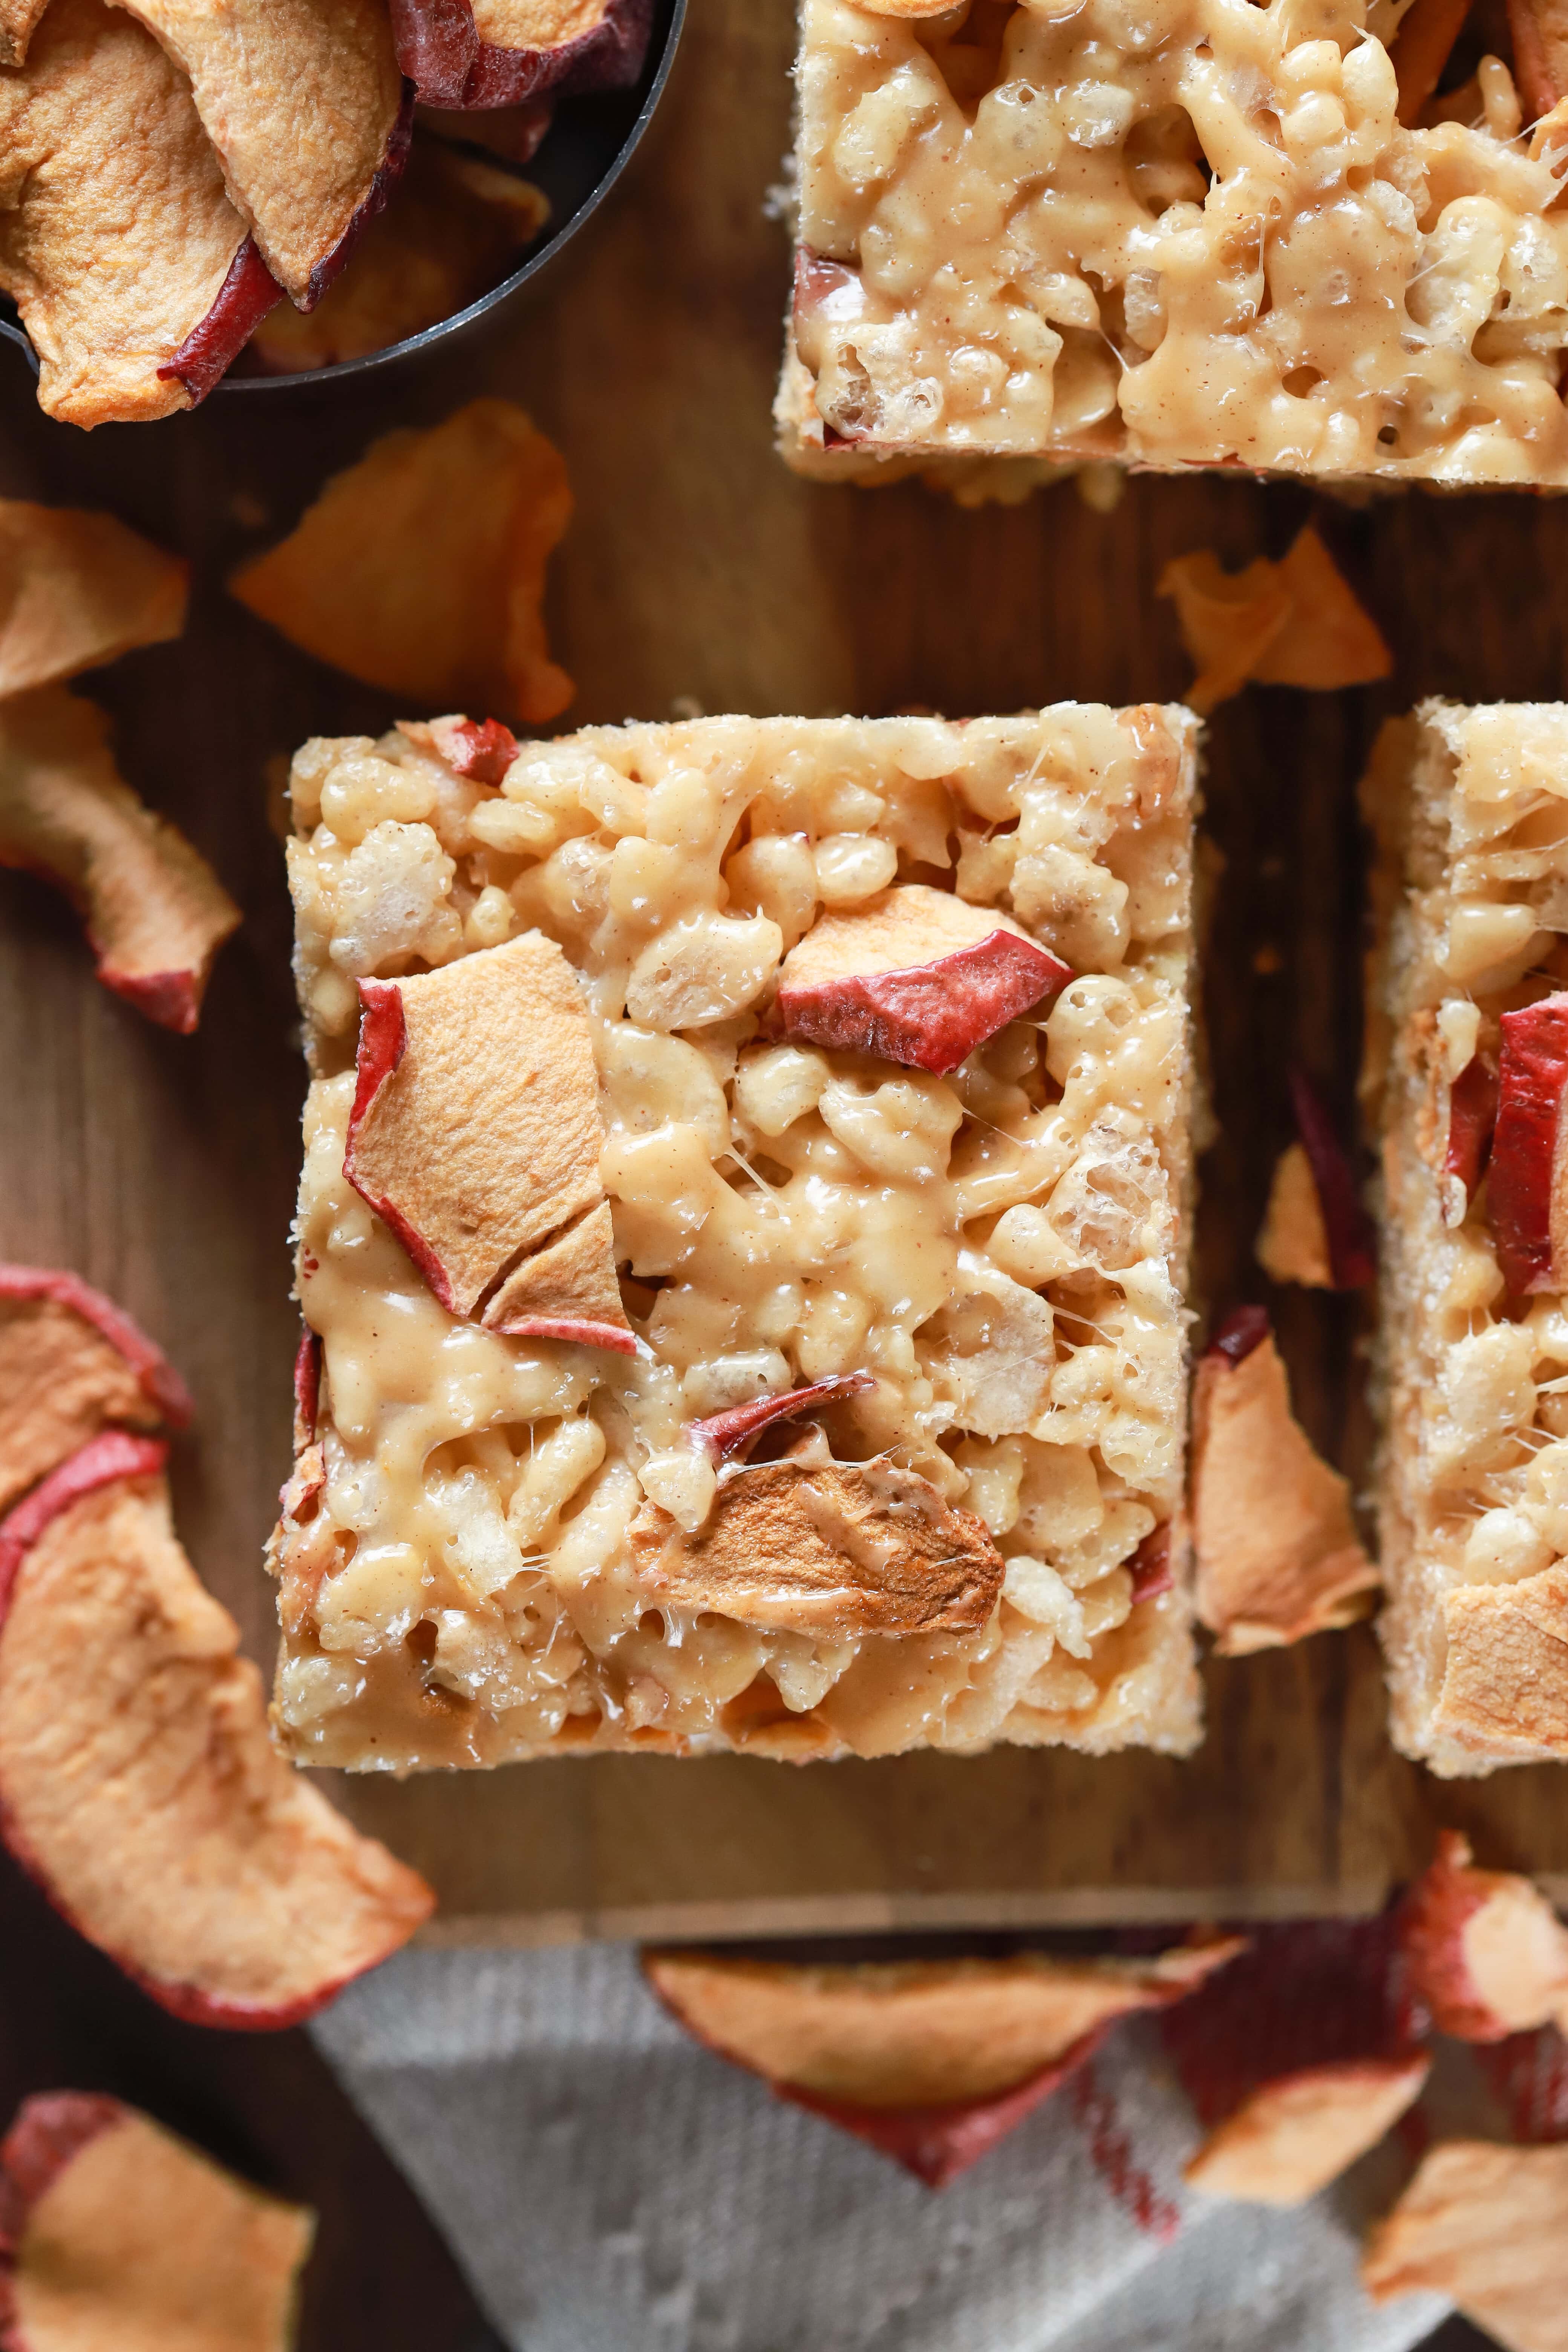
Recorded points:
(917, 1016)
(481, 750)
(1472, 1120)
(161, 1383)
(439, 47)
(1353, 1251)
(388, 173)
(242, 301)
(1234, 1339)
(1527, 1144)
(383, 1042)
(722, 1435)
(1150, 1566)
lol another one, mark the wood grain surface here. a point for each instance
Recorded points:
(697, 566)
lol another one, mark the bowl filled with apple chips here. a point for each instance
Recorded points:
(449, 150)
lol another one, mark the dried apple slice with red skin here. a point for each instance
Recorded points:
(1151, 1566)
(138, 1784)
(113, 2233)
(504, 51)
(306, 181)
(1486, 1951)
(71, 1362)
(1297, 2132)
(475, 1133)
(480, 749)
(307, 1385)
(137, 323)
(1528, 1187)
(1472, 1118)
(1540, 30)
(154, 911)
(860, 982)
(1353, 1251)
(77, 589)
(932, 2062)
(723, 1434)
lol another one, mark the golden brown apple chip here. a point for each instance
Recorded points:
(824, 1547)
(1293, 2136)
(71, 1364)
(421, 569)
(19, 23)
(78, 589)
(476, 1135)
(1540, 30)
(138, 1783)
(1505, 1682)
(1486, 2227)
(303, 177)
(1293, 1245)
(1294, 622)
(155, 911)
(132, 269)
(1276, 1550)
(113, 2233)
(457, 226)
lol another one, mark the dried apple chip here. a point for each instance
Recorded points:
(155, 911)
(421, 569)
(933, 2061)
(476, 1135)
(488, 53)
(1295, 623)
(1486, 1951)
(823, 1547)
(1277, 1553)
(307, 178)
(1485, 2226)
(1540, 30)
(138, 1784)
(19, 23)
(77, 590)
(71, 1365)
(1293, 2136)
(458, 225)
(113, 2233)
(135, 277)
(1293, 1245)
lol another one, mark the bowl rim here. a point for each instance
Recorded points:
(460, 322)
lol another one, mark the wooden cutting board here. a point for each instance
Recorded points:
(163, 1169)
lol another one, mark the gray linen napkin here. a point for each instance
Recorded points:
(610, 2186)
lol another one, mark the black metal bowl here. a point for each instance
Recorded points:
(588, 147)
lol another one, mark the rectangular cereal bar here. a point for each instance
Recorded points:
(1173, 233)
(742, 1240)
(1466, 1066)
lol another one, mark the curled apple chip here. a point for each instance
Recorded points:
(1277, 1554)
(115, 2232)
(304, 179)
(1349, 1249)
(931, 2062)
(1293, 1245)
(489, 53)
(1486, 2226)
(138, 1784)
(823, 1547)
(476, 1134)
(457, 226)
(1294, 622)
(723, 1434)
(1291, 2136)
(77, 589)
(421, 569)
(156, 912)
(915, 975)
(1486, 1951)
(72, 1364)
(1527, 1186)
(134, 275)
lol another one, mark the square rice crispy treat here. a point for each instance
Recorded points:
(1171, 232)
(684, 1068)
(1467, 1058)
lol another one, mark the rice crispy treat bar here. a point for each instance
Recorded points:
(1467, 1058)
(1171, 232)
(679, 1071)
